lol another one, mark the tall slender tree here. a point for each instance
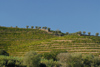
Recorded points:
(16, 26)
(27, 27)
(67, 33)
(48, 29)
(45, 27)
(36, 27)
(42, 27)
(79, 32)
(39, 27)
(97, 34)
(84, 32)
(89, 33)
(32, 27)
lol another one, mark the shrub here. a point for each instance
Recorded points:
(77, 60)
(31, 59)
(87, 60)
(42, 65)
(3, 52)
(50, 63)
(70, 60)
(2, 63)
(8, 61)
(11, 63)
(95, 62)
(52, 54)
(47, 56)
(91, 61)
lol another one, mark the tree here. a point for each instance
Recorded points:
(39, 27)
(97, 34)
(89, 33)
(32, 27)
(48, 29)
(67, 33)
(36, 27)
(79, 32)
(58, 31)
(42, 27)
(27, 27)
(16, 26)
(45, 27)
(60, 34)
(31, 59)
(84, 32)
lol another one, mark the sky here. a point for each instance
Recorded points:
(65, 15)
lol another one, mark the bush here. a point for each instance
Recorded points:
(95, 62)
(70, 60)
(91, 61)
(2, 63)
(8, 61)
(3, 52)
(52, 55)
(78, 60)
(31, 59)
(47, 56)
(11, 63)
(87, 60)
(42, 65)
(50, 63)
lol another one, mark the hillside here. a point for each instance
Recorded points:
(18, 41)
(12, 37)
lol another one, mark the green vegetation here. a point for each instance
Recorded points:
(31, 59)
(50, 47)
(50, 63)
(84, 32)
(67, 33)
(89, 33)
(18, 41)
(97, 34)
(78, 60)
(16, 26)
(49, 29)
(32, 27)
(3, 52)
(52, 55)
(13, 39)
(8, 61)
(27, 27)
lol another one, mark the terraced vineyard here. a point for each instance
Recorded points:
(77, 44)
(19, 41)
(12, 38)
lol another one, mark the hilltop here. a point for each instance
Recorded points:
(18, 41)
